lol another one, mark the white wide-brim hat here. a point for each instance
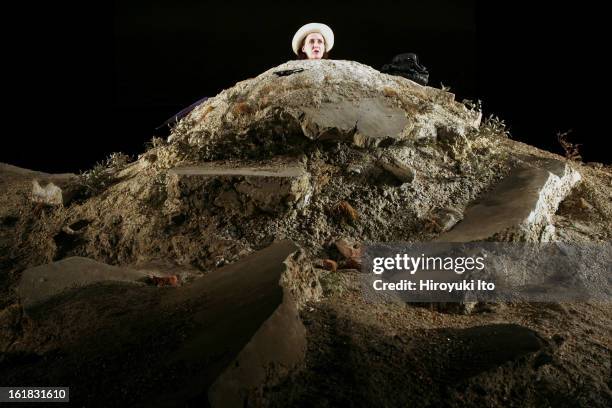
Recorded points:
(324, 30)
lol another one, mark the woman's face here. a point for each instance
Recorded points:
(314, 46)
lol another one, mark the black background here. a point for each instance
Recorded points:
(85, 81)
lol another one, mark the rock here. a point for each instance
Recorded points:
(352, 252)
(57, 190)
(348, 249)
(40, 283)
(366, 123)
(520, 206)
(171, 280)
(50, 194)
(401, 171)
(442, 219)
(269, 189)
(301, 279)
(330, 265)
(277, 346)
(355, 170)
(328, 100)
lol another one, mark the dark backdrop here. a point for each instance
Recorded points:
(94, 80)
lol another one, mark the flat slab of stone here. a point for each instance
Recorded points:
(365, 122)
(41, 283)
(237, 327)
(268, 188)
(212, 170)
(242, 297)
(522, 204)
(245, 325)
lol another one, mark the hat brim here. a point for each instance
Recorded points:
(324, 30)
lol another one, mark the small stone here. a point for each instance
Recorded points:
(330, 265)
(159, 281)
(347, 249)
(50, 194)
(401, 171)
(356, 170)
(58, 189)
(446, 218)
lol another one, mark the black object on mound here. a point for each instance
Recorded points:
(408, 66)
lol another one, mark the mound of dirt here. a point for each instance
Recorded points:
(239, 237)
